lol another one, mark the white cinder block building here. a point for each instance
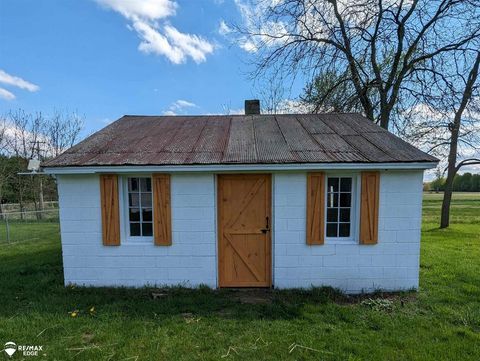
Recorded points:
(282, 201)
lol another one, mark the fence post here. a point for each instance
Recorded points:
(8, 229)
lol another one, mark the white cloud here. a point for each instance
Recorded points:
(224, 29)
(180, 103)
(262, 32)
(238, 111)
(18, 82)
(160, 39)
(147, 9)
(169, 112)
(5, 94)
(179, 106)
(189, 45)
(293, 106)
(248, 45)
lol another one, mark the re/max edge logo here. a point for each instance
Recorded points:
(11, 348)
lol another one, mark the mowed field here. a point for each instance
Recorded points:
(440, 322)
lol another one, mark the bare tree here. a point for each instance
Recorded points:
(379, 47)
(34, 135)
(61, 131)
(272, 93)
(25, 130)
(3, 135)
(471, 84)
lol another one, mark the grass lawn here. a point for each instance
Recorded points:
(440, 322)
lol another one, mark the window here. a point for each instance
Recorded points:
(339, 207)
(140, 207)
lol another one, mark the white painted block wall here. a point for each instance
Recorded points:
(189, 261)
(392, 264)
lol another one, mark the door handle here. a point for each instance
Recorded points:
(267, 227)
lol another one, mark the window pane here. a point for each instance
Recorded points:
(346, 185)
(145, 185)
(344, 230)
(332, 215)
(344, 214)
(134, 214)
(147, 214)
(345, 199)
(333, 184)
(133, 184)
(134, 229)
(133, 200)
(146, 229)
(147, 200)
(331, 229)
(332, 200)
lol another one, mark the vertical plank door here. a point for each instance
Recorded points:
(244, 230)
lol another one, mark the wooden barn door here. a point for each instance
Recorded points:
(244, 221)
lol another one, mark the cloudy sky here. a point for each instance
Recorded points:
(106, 58)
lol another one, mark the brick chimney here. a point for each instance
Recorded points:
(252, 106)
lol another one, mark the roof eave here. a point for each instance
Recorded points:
(239, 167)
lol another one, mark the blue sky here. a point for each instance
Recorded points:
(106, 58)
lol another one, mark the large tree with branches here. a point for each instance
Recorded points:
(377, 48)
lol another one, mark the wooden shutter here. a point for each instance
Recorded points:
(315, 208)
(162, 219)
(110, 210)
(369, 207)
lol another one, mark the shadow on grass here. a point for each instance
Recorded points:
(32, 283)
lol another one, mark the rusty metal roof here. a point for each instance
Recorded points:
(240, 139)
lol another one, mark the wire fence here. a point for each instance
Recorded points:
(29, 226)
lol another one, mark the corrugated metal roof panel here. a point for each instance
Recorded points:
(270, 142)
(314, 125)
(204, 158)
(393, 146)
(177, 140)
(241, 142)
(361, 124)
(367, 149)
(333, 143)
(214, 135)
(296, 135)
(314, 157)
(187, 136)
(339, 124)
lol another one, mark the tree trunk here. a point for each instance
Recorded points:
(384, 119)
(452, 161)
(447, 197)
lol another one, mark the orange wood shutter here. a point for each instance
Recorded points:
(369, 207)
(110, 210)
(315, 208)
(162, 219)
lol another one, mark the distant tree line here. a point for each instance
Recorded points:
(25, 136)
(466, 182)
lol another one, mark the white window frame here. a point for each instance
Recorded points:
(354, 209)
(124, 217)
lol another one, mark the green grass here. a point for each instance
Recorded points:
(440, 322)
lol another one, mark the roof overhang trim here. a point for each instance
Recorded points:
(238, 167)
